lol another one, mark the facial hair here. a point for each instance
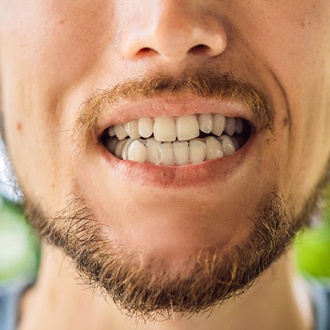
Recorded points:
(215, 273)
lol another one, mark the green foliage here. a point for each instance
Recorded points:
(19, 249)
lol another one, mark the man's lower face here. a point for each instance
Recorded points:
(163, 238)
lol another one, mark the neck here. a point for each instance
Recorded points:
(279, 299)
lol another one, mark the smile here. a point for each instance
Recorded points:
(174, 141)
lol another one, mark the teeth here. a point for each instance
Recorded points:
(146, 127)
(120, 132)
(174, 141)
(228, 145)
(214, 148)
(132, 130)
(187, 128)
(181, 152)
(219, 123)
(164, 129)
(137, 152)
(197, 151)
(230, 126)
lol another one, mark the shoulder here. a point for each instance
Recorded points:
(9, 302)
(320, 292)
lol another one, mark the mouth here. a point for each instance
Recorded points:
(177, 140)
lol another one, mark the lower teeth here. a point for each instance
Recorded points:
(173, 153)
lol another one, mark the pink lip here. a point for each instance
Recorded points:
(187, 176)
(171, 106)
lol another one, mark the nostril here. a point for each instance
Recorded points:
(146, 51)
(199, 49)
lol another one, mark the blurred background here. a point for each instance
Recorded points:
(20, 249)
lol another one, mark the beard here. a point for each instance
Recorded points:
(209, 277)
(149, 290)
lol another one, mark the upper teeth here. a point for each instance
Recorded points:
(169, 144)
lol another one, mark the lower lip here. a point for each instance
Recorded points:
(184, 176)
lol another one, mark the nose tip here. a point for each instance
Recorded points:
(173, 34)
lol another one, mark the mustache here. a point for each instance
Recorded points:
(203, 84)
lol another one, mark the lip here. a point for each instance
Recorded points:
(173, 106)
(183, 176)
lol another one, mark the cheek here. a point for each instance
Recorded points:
(56, 42)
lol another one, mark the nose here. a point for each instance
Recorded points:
(172, 30)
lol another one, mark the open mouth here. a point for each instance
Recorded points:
(173, 141)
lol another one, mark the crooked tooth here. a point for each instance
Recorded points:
(187, 128)
(164, 129)
(137, 152)
(132, 130)
(219, 124)
(181, 152)
(230, 126)
(167, 154)
(145, 127)
(214, 148)
(239, 125)
(197, 151)
(120, 132)
(153, 148)
(205, 122)
(228, 145)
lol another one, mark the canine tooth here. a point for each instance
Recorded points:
(111, 144)
(145, 127)
(197, 151)
(137, 152)
(219, 124)
(167, 154)
(111, 131)
(181, 152)
(228, 145)
(205, 122)
(230, 126)
(120, 132)
(131, 129)
(124, 151)
(164, 129)
(214, 148)
(153, 147)
(239, 125)
(187, 128)
(119, 148)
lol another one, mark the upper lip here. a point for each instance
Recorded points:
(171, 106)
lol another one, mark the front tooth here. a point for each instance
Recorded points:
(214, 148)
(187, 128)
(197, 151)
(181, 152)
(205, 122)
(120, 132)
(167, 154)
(146, 127)
(219, 124)
(230, 126)
(132, 130)
(164, 129)
(153, 147)
(137, 152)
(228, 145)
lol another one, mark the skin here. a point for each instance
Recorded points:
(53, 57)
